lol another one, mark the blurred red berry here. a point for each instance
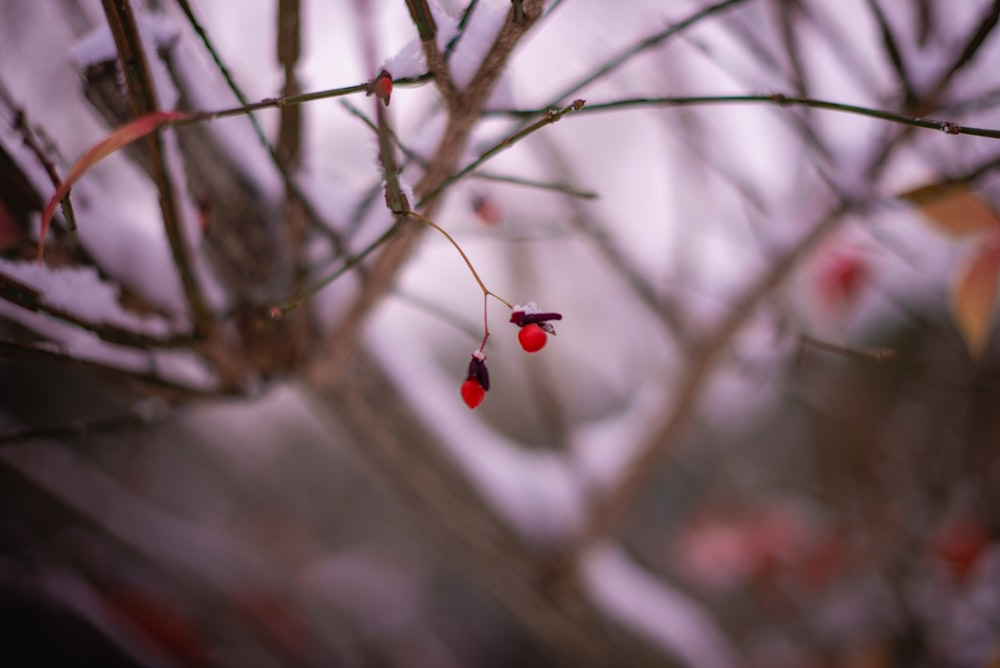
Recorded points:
(841, 278)
(472, 393)
(160, 621)
(486, 210)
(959, 543)
(532, 337)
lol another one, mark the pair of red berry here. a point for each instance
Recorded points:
(534, 330)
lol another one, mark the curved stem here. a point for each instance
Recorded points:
(468, 263)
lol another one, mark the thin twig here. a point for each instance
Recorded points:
(282, 310)
(549, 118)
(23, 126)
(142, 93)
(563, 188)
(894, 53)
(407, 151)
(779, 99)
(642, 45)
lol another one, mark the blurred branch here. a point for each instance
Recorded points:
(984, 28)
(350, 263)
(15, 292)
(142, 93)
(151, 383)
(790, 37)
(582, 220)
(393, 441)
(23, 127)
(289, 49)
(437, 63)
(930, 98)
(462, 23)
(564, 188)
(894, 54)
(662, 436)
(394, 197)
(548, 118)
(648, 43)
(84, 429)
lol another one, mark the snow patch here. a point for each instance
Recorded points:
(643, 603)
(81, 292)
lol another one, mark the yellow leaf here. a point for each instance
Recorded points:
(973, 297)
(954, 209)
(126, 134)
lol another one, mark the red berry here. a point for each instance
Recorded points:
(472, 393)
(532, 337)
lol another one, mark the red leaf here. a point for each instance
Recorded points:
(954, 209)
(118, 139)
(973, 297)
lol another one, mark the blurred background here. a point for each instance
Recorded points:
(765, 434)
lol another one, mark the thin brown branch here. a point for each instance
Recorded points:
(548, 118)
(142, 93)
(437, 63)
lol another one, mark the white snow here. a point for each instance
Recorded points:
(528, 308)
(480, 33)
(663, 616)
(81, 292)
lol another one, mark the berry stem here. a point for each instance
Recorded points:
(468, 263)
(486, 323)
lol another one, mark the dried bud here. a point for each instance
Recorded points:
(381, 87)
(477, 381)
